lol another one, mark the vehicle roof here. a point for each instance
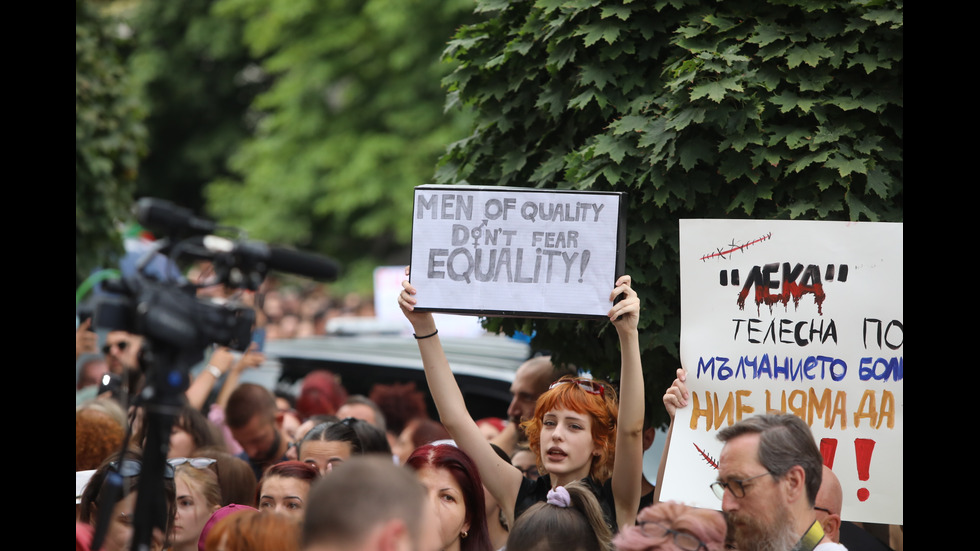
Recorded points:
(484, 366)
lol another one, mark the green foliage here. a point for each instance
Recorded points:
(352, 121)
(696, 109)
(109, 141)
(198, 81)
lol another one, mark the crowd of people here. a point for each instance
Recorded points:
(251, 468)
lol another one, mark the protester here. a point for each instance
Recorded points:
(525, 460)
(400, 403)
(362, 407)
(828, 504)
(320, 394)
(328, 444)
(100, 428)
(108, 503)
(769, 472)
(251, 530)
(577, 428)
(285, 486)
(223, 363)
(235, 476)
(301, 431)
(251, 415)
(221, 513)
(198, 497)
(418, 432)
(191, 431)
(531, 380)
(455, 489)
(369, 504)
(570, 520)
(670, 526)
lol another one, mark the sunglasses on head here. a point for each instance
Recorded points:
(130, 467)
(196, 462)
(588, 385)
(107, 347)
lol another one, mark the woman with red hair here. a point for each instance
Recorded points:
(285, 486)
(454, 486)
(320, 393)
(579, 425)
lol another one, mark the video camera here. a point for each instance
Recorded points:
(178, 326)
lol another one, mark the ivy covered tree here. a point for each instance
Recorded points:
(109, 141)
(696, 109)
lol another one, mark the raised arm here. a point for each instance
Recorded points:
(501, 479)
(675, 397)
(627, 474)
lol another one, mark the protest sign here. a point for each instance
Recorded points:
(504, 251)
(800, 317)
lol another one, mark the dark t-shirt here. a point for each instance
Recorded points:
(534, 491)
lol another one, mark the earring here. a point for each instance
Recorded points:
(464, 534)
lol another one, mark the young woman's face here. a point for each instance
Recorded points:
(566, 444)
(284, 494)
(193, 512)
(450, 506)
(324, 454)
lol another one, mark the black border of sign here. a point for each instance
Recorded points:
(620, 249)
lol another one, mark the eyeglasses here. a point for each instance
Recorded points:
(735, 486)
(130, 467)
(196, 462)
(107, 347)
(822, 509)
(683, 540)
(530, 472)
(588, 385)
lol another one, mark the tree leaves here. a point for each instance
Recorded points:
(727, 109)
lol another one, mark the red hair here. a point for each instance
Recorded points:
(602, 408)
(288, 469)
(707, 525)
(254, 530)
(459, 465)
(320, 393)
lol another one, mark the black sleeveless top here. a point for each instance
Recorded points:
(534, 491)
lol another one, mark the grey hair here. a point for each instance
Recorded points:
(785, 442)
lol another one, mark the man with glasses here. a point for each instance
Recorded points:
(121, 350)
(769, 473)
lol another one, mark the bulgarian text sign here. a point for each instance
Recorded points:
(802, 317)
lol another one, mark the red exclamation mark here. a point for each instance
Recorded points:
(862, 451)
(828, 448)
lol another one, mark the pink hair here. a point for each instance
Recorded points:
(707, 525)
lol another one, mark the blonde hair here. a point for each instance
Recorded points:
(204, 481)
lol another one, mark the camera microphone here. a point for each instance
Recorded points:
(276, 258)
(162, 215)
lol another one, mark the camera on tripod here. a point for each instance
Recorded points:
(168, 311)
(177, 327)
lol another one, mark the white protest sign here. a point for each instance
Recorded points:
(800, 317)
(504, 251)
